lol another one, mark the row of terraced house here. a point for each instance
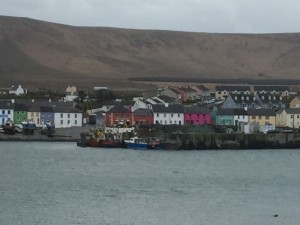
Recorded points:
(62, 114)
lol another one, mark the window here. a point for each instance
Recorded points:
(61, 115)
(61, 122)
(157, 114)
(267, 117)
(172, 115)
(259, 117)
(178, 115)
(292, 116)
(3, 111)
(75, 121)
(297, 116)
(68, 115)
(32, 114)
(8, 112)
(68, 121)
(253, 117)
(165, 115)
(75, 115)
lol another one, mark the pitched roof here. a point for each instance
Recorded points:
(196, 110)
(5, 104)
(171, 108)
(243, 98)
(143, 112)
(268, 97)
(21, 107)
(233, 88)
(269, 88)
(292, 111)
(119, 109)
(46, 109)
(232, 112)
(202, 87)
(261, 112)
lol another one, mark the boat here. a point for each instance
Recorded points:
(9, 127)
(139, 143)
(100, 139)
(28, 127)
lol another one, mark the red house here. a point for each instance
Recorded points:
(143, 117)
(119, 115)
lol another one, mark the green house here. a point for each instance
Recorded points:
(225, 117)
(20, 113)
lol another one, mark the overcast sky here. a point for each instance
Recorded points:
(221, 16)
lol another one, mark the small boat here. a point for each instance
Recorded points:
(9, 127)
(28, 127)
(139, 143)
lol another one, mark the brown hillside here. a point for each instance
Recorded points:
(38, 53)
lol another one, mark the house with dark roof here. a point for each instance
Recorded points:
(262, 116)
(143, 117)
(223, 91)
(66, 115)
(270, 100)
(201, 91)
(20, 112)
(240, 101)
(119, 115)
(288, 118)
(173, 92)
(275, 90)
(196, 115)
(167, 114)
(6, 111)
(231, 117)
(47, 115)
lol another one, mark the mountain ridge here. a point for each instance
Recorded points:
(38, 53)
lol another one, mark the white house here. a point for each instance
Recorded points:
(166, 114)
(17, 90)
(67, 116)
(288, 118)
(6, 111)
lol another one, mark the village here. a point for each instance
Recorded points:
(239, 109)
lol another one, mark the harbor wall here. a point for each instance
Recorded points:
(238, 141)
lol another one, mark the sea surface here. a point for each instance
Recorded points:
(62, 184)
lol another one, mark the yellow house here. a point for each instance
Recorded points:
(34, 113)
(262, 116)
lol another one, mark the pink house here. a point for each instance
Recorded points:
(196, 115)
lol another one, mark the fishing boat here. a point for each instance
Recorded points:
(100, 139)
(139, 143)
(9, 127)
(28, 127)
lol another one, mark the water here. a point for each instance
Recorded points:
(59, 183)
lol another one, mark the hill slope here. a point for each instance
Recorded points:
(38, 53)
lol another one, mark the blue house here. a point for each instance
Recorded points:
(47, 115)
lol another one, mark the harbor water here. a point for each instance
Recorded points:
(60, 183)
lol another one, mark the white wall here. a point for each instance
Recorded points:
(169, 118)
(4, 116)
(62, 120)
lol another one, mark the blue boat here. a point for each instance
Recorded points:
(139, 143)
